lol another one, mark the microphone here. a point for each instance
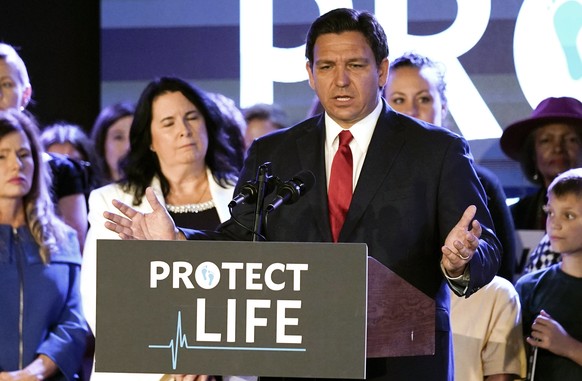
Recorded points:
(291, 190)
(248, 193)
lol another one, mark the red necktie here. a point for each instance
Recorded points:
(339, 194)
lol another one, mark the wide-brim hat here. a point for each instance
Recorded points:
(550, 110)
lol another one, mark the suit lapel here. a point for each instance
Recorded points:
(311, 154)
(387, 141)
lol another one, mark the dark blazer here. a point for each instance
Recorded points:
(416, 181)
(502, 221)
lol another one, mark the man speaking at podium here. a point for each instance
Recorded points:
(405, 188)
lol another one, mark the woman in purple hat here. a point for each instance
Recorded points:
(545, 144)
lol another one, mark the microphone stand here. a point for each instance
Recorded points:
(263, 175)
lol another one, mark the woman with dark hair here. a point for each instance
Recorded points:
(170, 108)
(545, 144)
(110, 135)
(179, 147)
(70, 141)
(235, 125)
(42, 330)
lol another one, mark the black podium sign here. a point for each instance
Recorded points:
(246, 308)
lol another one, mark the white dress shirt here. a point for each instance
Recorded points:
(361, 131)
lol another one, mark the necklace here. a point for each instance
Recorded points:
(193, 208)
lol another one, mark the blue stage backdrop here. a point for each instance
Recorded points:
(502, 56)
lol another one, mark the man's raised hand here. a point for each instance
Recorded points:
(461, 243)
(131, 224)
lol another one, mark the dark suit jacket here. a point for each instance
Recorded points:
(502, 221)
(416, 181)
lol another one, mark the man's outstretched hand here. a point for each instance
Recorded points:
(131, 224)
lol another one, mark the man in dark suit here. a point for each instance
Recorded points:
(416, 198)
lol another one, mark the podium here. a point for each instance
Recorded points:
(253, 308)
(401, 319)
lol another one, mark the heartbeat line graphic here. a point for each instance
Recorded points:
(181, 341)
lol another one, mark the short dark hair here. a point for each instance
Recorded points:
(418, 61)
(265, 111)
(346, 20)
(141, 165)
(569, 182)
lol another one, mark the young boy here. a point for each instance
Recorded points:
(552, 298)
